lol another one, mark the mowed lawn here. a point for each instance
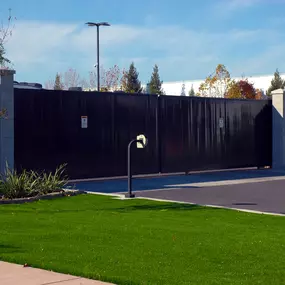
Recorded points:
(144, 242)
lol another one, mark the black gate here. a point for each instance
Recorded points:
(184, 133)
(210, 133)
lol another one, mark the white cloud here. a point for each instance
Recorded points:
(39, 49)
(32, 42)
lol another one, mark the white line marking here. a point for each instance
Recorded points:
(229, 182)
(152, 190)
(106, 194)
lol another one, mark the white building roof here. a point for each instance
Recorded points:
(174, 88)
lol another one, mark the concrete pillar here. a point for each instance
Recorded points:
(7, 123)
(278, 129)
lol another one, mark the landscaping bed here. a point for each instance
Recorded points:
(29, 186)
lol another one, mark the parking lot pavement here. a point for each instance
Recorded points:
(180, 181)
(259, 196)
(257, 190)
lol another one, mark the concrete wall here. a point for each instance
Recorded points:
(278, 129)
(7, 124)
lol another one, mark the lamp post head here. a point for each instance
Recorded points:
(91, 24)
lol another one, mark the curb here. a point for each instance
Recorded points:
(41, 197)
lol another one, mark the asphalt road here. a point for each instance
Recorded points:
(258, 190)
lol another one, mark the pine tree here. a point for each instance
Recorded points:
(276, 83)
(57, 83)
(192, 92)
(133, 85)
(183, 93)
(155, 82)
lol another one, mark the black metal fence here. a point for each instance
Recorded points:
(184, 133)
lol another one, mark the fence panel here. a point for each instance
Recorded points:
(184, 133)
(210, 133)
(48, 132)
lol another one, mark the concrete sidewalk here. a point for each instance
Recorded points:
(13, 274)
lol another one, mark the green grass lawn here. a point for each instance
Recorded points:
(144, 242)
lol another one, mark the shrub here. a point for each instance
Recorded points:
(14, 185)
(30, 183)
(49, 182)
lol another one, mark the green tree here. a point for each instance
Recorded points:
(57, 83)
(192, 92)
(132, 83)
(276, 83)
(155, 84)
(3, 59)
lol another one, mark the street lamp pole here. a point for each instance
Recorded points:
(98, 60)
(91, 24)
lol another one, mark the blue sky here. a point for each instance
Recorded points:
(187, 39)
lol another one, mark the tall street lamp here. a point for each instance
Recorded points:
(91, 24)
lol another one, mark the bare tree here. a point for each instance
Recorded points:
(124, 80)
(92, 84)
(109, 78)
(6, 29)
(71, 78)
(49, 84)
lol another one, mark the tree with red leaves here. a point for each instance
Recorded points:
(241, 89)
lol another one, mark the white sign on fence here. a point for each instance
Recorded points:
(84, 122)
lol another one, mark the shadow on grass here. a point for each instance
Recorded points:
(162, 207)
(5, 248)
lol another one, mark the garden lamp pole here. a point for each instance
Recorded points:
(130, 184)
(91, 24)
(141, 142)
